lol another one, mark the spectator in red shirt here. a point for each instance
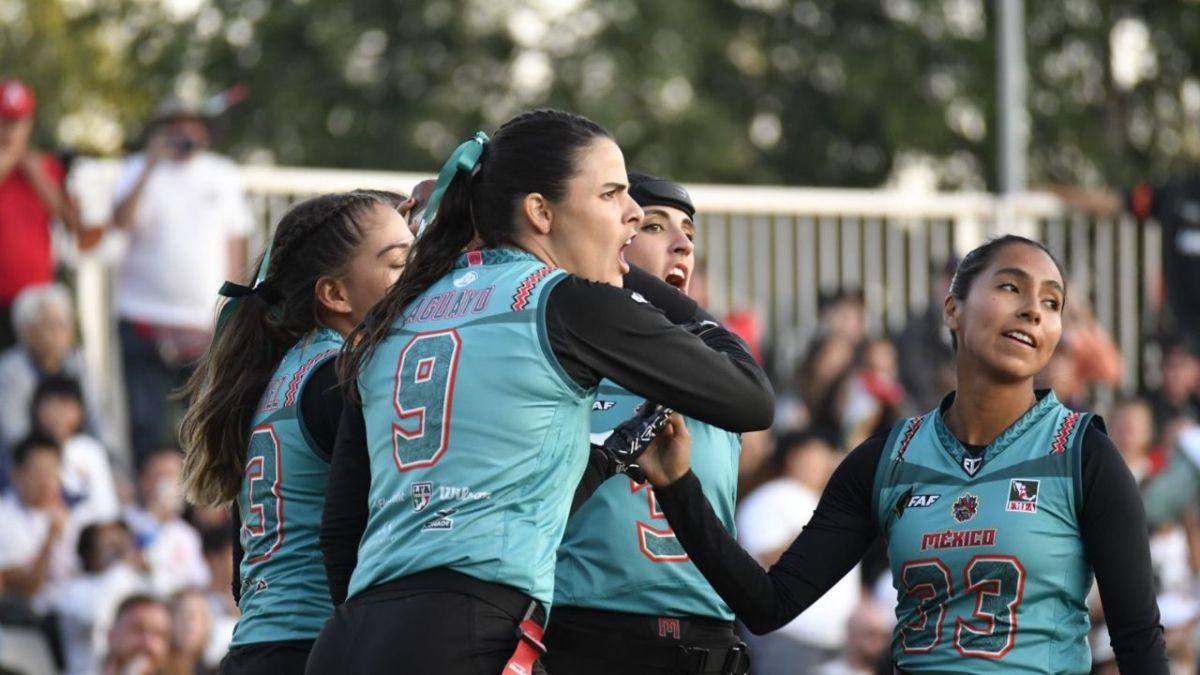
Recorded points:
(30, 195)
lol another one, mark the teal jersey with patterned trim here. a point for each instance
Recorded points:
(284, 592)
(618, 553)
(986, 553)
(477, 436)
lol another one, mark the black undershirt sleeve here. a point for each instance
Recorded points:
(601, 331)
(235, 523)
(832, 543)
(321, 407)
(345, 517)
(1113, 527)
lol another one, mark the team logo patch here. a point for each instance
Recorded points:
(602, 405)
(971, 465)
(464, 280)
(637, 297)
(442, 522)
(422, 493)
(1022, 495)
(965, 507)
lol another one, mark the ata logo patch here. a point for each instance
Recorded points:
(965, 507)
(1022, 495)
(422, 493)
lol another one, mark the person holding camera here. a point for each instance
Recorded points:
(185, 213)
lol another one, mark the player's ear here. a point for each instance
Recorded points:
(950, 315)
(331, 294)
(538, 211)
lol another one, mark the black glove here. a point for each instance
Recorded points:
(629, 439)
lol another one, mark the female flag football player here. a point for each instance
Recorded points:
(261, 427)
(997, 507)
(476, 376)
(626, 597)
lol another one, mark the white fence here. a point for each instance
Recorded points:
(771, 249)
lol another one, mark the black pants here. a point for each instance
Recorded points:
(433, 623)
(594, 642)
(275, 658)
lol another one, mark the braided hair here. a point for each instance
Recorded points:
(316, 238)
(535, 151)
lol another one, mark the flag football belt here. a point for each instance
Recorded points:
(529, 642)
(731, 660)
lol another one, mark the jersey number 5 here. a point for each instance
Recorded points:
(998, 584)
(262, 512)
(658, 545)
(423, 397)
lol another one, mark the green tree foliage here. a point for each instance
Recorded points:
(814, 92)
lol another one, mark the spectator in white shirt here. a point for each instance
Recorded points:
(768, 519)
(44, 319)
(37, 537)
(186, 215)
(87, 603)
(169, 545)
(87, 475)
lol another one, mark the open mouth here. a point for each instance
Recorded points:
(621, 256)
(677, 276)
(1021, 337)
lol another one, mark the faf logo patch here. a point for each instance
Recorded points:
(908, 500)
(602, 405)
(422, 493)
(965, 507)
(1022, 495)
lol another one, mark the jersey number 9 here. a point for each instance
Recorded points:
(423, 397)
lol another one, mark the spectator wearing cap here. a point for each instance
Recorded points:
(31, 193)
(186, 215)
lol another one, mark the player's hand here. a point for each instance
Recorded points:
(159, 147)
(630, 438)
(670, 455)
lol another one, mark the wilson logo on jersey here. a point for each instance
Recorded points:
(1022, 495)
(422, 493)
(965, 507)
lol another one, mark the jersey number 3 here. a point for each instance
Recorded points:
(996, 581)
(262, 514)
(423, 397)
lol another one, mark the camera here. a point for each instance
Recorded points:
(183, 145)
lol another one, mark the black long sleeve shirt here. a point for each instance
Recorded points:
(630, 335)
(1112, 525)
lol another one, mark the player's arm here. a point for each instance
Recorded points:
(597, 330)
(345, 517)
(827, 549)
(1113, 527)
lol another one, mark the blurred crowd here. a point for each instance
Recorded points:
(103, 568)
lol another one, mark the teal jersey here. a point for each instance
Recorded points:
(477, 436)
(284, 592)
(986, 553)
(619, 554)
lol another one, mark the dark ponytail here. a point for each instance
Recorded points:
(316, 238)
(536, 151)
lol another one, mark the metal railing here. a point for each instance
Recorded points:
(772, 250)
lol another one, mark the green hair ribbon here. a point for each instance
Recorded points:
(464, 158)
